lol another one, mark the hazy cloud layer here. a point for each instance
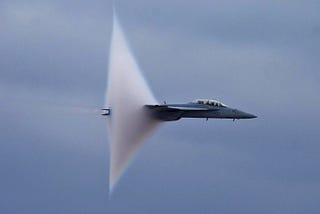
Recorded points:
(262, 57)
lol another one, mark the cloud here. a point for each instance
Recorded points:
(256, 56)
(44, 48)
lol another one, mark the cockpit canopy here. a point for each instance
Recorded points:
(209, 102)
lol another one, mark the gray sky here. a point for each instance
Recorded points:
(261, 57)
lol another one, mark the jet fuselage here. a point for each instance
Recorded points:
(196, 109)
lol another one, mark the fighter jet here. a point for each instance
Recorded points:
(200, 108)
(133, 113)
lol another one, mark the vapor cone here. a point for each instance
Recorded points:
(127, 93)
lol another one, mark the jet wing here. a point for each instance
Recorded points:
(175, 112)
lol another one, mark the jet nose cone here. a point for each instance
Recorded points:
(245, 115)
(251, 116)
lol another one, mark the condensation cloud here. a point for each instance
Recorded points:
(127, 93)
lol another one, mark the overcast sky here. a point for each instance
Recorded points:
(260, 57)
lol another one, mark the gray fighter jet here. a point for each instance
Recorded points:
(200, 108)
